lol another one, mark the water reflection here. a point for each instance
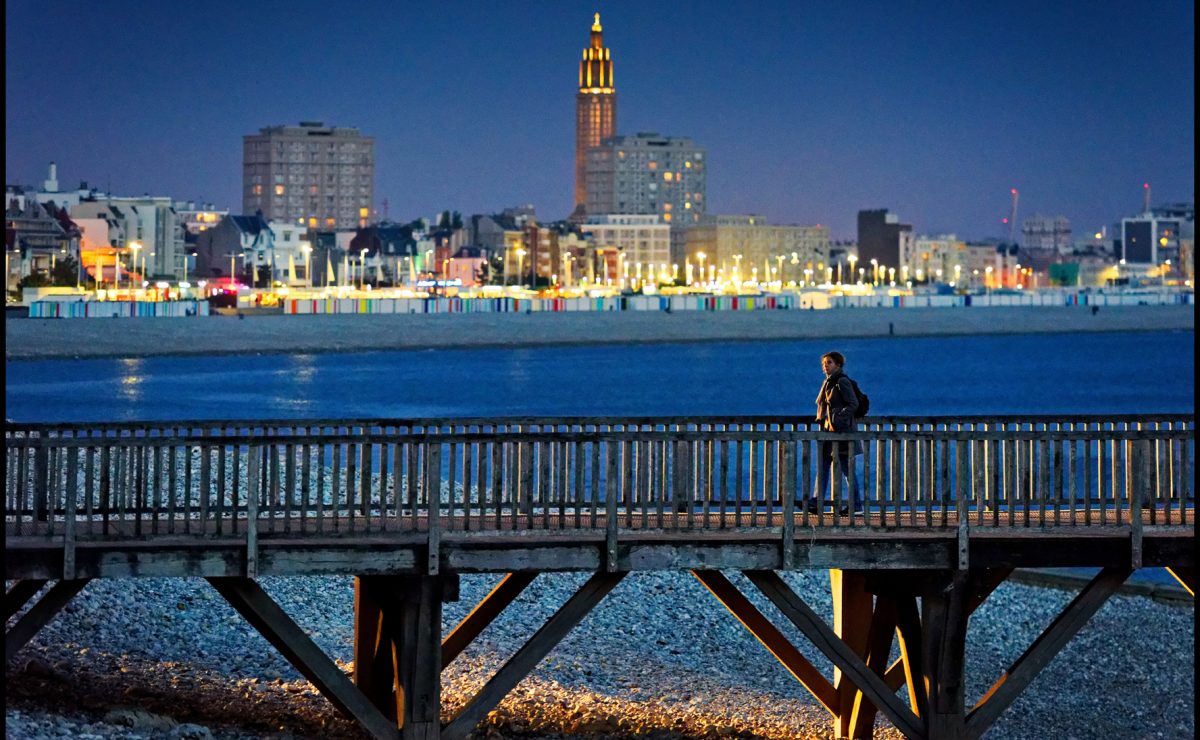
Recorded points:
(132, 378)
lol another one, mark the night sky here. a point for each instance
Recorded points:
(809, 111)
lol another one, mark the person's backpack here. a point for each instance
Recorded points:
(864, 402)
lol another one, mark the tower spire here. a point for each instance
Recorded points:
(595, 106)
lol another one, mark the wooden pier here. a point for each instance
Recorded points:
(952, 506)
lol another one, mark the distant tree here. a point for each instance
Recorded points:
(66, 272)
(491, 272)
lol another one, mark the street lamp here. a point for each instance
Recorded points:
(362, 269)
(874, 271)
(700, 257)
(852, 259)
(521, 267)
(308, 264)
(133, 247)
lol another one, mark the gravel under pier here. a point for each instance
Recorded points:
(659, 658)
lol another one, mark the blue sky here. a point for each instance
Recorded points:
(809, 111)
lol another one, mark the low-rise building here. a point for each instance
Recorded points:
(640, 239)
(747, 246)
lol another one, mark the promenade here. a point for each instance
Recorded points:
(265, 334)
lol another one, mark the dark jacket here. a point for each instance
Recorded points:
(836, 403)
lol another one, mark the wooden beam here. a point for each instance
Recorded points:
(531, 653)
(944, 640)
(1186, 578)
(853, 608)
(40, 614)
(373, 661)
(1044, 649)
(770, 637)
(879, 647)
(413, 629)
(821, 635)
(21, 592)
(257, 608)
(908, 638)
(484, 613)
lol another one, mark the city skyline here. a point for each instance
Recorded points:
(808, 114)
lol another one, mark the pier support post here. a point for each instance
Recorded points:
(398, 648)
(944, 641)
(852, 611)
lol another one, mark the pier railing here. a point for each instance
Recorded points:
(375, 477)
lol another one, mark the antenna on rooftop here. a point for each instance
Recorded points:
(1145, 197)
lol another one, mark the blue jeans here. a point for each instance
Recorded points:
(846, 463)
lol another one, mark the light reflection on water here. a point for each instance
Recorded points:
(1006, 374)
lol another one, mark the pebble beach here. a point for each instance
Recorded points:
(659, 657)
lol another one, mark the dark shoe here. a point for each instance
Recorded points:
(845, 510)
(811, 507)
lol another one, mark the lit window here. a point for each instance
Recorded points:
(363, 212)
(258, 189)
(687, 205)
(312, 222)
(279, 190)
(668, 176)
(687, 165)
(330, 222)
(652, 165)
(666, 217)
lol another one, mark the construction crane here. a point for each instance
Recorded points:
(1011, 219)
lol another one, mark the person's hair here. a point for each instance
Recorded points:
(838, 358)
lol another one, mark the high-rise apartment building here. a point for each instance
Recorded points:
(595, 108)
(312, 174)
(648, 174)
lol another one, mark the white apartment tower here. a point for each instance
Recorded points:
(319, 176)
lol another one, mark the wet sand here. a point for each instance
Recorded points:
(268, 334)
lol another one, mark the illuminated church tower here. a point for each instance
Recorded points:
(595, 107)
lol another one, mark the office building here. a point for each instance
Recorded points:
(319, 176)
(750, 248)
(879, 234)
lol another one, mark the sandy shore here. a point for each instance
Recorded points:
(95, 338)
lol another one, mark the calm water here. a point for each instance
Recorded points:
(1084, 373)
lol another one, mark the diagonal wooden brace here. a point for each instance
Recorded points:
(824, 638)
(484, 613)
(40, 614)
(1026, 668)
(257, 608)
(770, 637)
(531, 653)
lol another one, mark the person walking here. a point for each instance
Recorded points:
(837, 403)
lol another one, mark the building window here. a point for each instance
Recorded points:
(279, 190)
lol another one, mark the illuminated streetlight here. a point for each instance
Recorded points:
(852, 259)
(133, 247)
(874, 271)
(521, 266)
